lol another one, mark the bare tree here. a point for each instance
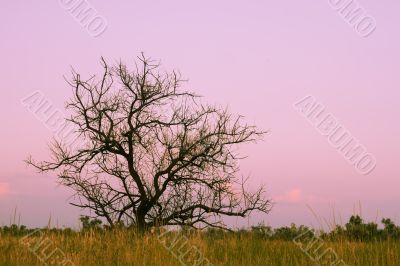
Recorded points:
(152, 154)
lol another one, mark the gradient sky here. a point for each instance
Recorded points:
(257, 57)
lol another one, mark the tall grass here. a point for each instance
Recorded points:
(123, 247)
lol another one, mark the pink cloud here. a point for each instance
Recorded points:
(295, 195)
(4, 189)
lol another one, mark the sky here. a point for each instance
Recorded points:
(260, 58)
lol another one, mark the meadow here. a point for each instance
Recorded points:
(356, 243)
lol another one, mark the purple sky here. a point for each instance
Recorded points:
(258, 57)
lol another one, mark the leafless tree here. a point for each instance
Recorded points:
(152, 154)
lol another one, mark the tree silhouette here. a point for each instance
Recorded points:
(152, 154)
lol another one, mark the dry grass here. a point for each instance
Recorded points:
(126, 248)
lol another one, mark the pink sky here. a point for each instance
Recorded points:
(258, 57)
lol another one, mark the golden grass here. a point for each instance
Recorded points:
(125, 248)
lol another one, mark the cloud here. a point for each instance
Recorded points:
(295, 195)
(4, 189)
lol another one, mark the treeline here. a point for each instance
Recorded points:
(354, 230)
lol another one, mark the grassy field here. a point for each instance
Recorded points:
(125, 248)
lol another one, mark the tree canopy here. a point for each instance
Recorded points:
(152, 154)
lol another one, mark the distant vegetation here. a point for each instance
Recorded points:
(354, 230)
(355, 243)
